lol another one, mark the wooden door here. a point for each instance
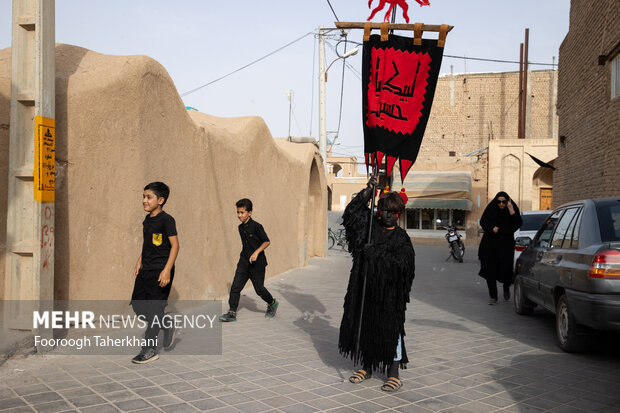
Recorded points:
(546, 199)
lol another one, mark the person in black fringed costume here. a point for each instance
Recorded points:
(500, 219)
(390, 261)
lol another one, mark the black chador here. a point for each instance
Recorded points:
(390, 264)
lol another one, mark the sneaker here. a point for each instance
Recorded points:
(169, 335)
(271, 309)
(145, 356)
(229, 317)
(493, 301)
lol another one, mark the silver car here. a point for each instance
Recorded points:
(532, 220)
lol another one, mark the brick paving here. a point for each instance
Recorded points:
(465, 356)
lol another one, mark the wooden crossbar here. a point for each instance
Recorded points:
(391, 26)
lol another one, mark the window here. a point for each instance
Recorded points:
(575, 240)
(413, 218)
(615, 77)
(544, 234)
(444, 216)
(458, 218)
(568, 238)
(531, 222)
(428, 222)
(425, 219)
(608, 213)
(563, 225)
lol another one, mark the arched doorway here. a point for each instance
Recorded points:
(542, 189)
(316, 213)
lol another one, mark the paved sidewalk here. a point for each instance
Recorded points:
(465, 356)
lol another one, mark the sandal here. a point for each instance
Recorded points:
(359, 376)
(391, 384)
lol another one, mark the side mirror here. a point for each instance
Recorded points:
(523, 241)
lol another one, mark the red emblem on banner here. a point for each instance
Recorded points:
(396, 90)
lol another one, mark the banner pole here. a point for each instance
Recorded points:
(375, 174)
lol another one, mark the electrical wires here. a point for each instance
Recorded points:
(248, 65)
(330, 6)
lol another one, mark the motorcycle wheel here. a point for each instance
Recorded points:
(456, 252)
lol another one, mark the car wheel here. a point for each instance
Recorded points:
(523, 306)
(566, 328)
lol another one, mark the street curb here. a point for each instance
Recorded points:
(23, 346)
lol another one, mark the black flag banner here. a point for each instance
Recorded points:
(398, 85)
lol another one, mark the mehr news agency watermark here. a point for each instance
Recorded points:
(116, 329)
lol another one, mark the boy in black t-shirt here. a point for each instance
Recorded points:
(252, 263)
(155, 269)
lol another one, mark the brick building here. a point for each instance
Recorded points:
(589, 103)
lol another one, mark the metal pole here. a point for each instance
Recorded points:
(526, 97)
(375, 174)
(322, 127)
(520, 111)
(289, 95)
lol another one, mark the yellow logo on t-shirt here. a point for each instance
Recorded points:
(157, 239)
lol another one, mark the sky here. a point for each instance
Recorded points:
(201, 41)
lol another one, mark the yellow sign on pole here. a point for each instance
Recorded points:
(44, 159)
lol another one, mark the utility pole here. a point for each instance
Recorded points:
(289, 96)
(526, 91)
(31, 181)
(322, 127)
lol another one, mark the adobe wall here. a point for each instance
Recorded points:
(588, 152)
(120, 124)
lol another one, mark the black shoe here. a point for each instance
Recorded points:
(145, 356)
(230, 316)
(169, 335)
(271, 309)
(507, 293)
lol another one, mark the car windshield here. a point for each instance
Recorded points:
(531, 222)
(609, 220)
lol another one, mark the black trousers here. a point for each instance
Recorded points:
(149, 300)
(492, 284)
(253, 272)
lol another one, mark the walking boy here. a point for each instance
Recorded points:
(155, 269)
(252, 263)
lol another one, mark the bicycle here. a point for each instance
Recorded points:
(338, 239)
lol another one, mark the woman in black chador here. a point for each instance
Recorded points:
(500, 220)
(390, 262)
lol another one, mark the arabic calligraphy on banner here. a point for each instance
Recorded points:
(44, 159)
(396, 89)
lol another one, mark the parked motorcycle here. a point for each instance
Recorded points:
(457, 248)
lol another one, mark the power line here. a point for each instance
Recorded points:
(330, 6)
(497, 60)
(248, 65)
(460, 57)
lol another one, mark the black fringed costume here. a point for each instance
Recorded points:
(496, 251)
(391, 269)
